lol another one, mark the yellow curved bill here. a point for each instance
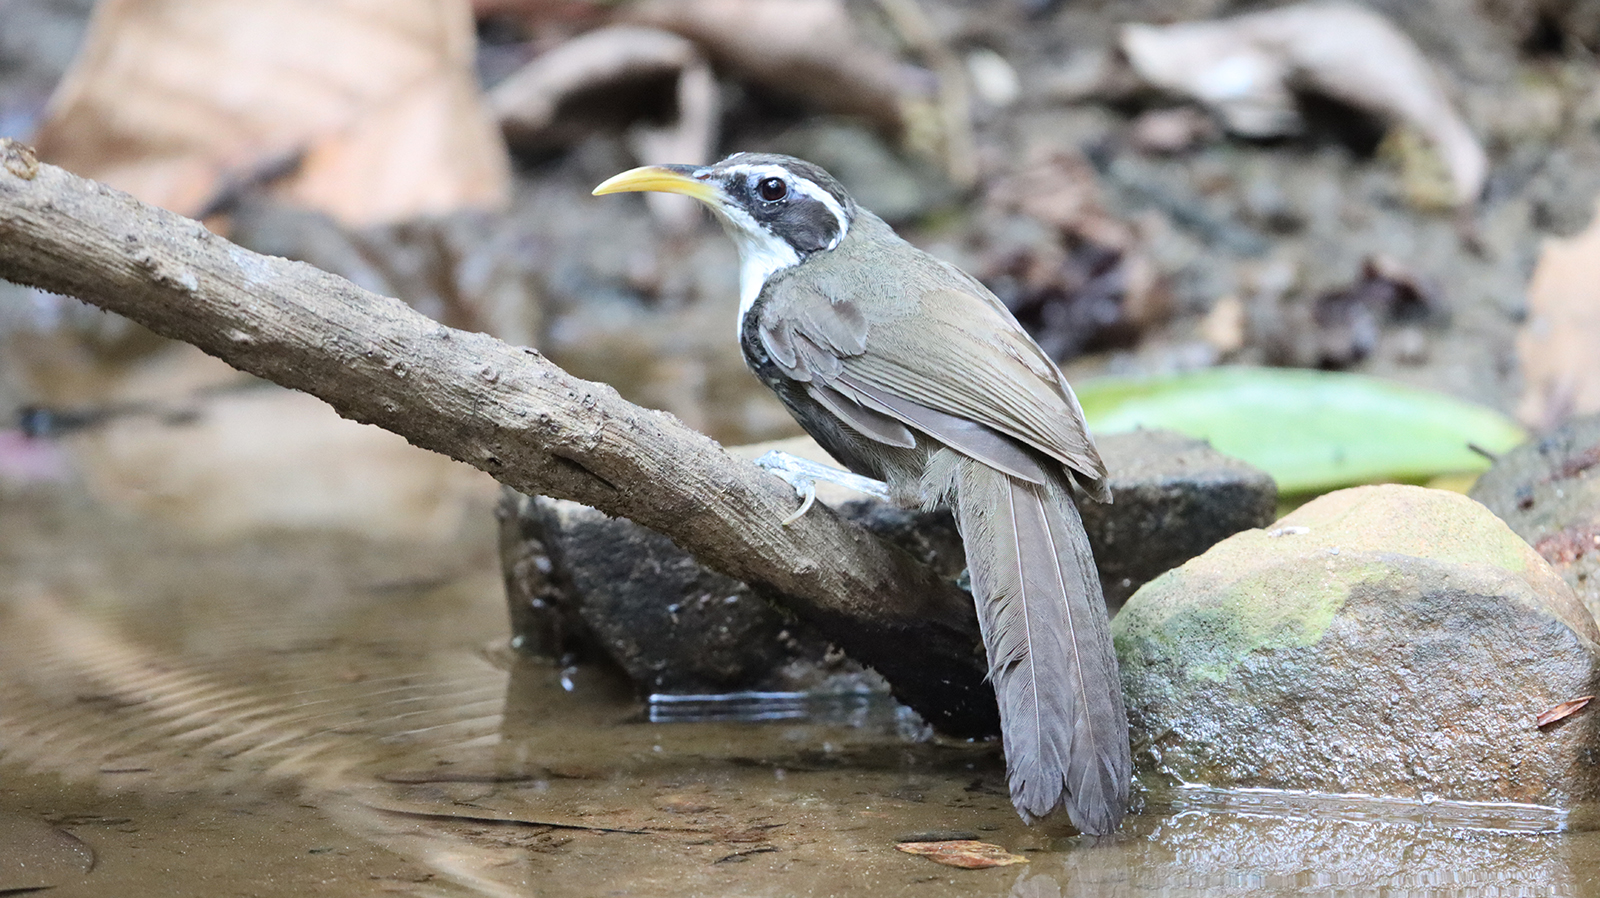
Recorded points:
(661, 179)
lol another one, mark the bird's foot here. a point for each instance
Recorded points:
(803, 474)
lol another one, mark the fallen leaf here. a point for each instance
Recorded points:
(965, 853)
(1562, 711)
(530, 103)
(181, 101)
(808, 49)
(1247, 69)
(1556, 344)
(1313, 431)
(1060, 188)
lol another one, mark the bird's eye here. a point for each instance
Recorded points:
(772, 189)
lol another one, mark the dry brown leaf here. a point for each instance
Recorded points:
(965, 853)
(1060, 187)
(804, 48)
(1244, 68)
(527, 102)
(1562, 711)
(1556, 345)
(541, 13)
(176, 101)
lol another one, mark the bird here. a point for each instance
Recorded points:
(908, 370)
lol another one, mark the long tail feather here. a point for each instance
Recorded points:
(1048, 637)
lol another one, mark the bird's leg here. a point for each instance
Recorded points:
(803, 474)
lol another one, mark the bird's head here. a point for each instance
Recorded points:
(779, 210)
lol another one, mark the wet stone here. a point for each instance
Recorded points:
(581, 584)
(544, 620)
(1173, 497)
(1548, 491)
(587, 584)
(1391, 641)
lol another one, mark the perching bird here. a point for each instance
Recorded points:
(908, 370)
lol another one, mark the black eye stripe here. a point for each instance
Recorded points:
(790, 206)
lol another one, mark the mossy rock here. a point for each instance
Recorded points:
(1384, 640)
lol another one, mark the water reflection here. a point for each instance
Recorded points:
(343, 711)
(1206, 853)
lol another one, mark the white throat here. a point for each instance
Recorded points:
(762, 254)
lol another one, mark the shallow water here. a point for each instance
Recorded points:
(299, 714)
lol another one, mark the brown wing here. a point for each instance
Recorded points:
(933, 368)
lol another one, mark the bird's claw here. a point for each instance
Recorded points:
(809, 493)
(802, 474)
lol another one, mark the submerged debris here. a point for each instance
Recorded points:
(1559, 712)
(965, 853)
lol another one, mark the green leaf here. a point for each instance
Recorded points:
(1313, 431)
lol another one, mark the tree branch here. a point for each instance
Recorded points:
(506, 410)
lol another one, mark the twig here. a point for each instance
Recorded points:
(503, 409)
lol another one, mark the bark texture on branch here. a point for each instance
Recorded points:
(504, 409)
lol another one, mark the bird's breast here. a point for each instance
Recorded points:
(755, 353)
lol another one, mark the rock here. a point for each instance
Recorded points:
(1385, 640)
(581, 583)
(545, 618)
(1548, 491)
(1173, 497)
